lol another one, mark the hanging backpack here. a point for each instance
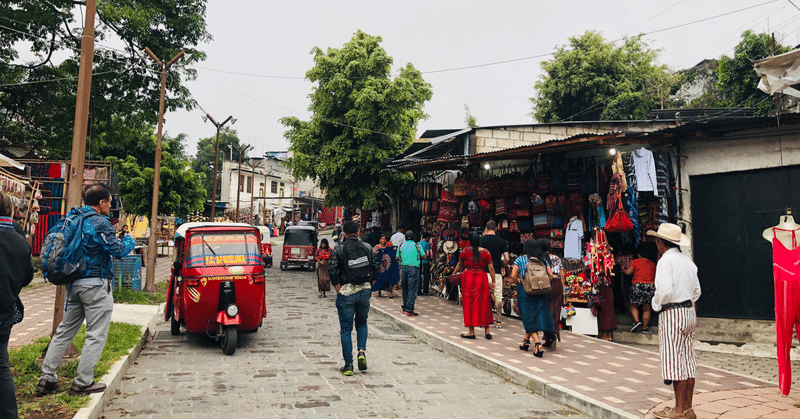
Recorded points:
(536, 281)
(61, 257)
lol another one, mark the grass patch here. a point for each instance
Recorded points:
(124, 295)
(797, 405)
(121, 338)
(162, 286)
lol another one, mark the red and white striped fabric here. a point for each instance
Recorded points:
(676, 343)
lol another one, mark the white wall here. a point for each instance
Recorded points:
(745, 150)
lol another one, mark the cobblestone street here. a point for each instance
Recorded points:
(289, 368)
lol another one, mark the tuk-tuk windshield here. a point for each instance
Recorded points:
(223, 249)
(300, 238)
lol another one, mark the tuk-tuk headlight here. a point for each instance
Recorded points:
(232, 310)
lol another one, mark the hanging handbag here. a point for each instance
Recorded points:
(573, 176)
(448, 196)
(460, 186)
(589, 178)
(448, 213)
(500, 206)
(558, 179)
(619, 222)
(454, 279)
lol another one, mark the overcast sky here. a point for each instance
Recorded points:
(257, 44)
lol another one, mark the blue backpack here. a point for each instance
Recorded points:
(61, 257)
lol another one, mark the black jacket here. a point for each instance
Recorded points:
(16, 271)
(336, 269)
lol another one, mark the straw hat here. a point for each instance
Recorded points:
(671, 233)
(449, 247)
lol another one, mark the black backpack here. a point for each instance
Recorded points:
(356, 262)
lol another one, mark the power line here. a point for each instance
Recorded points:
(657, 15)
(792, 3)
(52, 80)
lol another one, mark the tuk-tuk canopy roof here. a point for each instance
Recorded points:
(181, 232)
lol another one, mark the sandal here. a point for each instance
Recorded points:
(466, 336)
(539, 350)
(526, 344)
(488, 336)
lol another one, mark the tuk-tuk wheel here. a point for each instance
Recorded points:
(174, 326)
(230, 340)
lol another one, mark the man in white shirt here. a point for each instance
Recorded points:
(399, 237)
(677, 289)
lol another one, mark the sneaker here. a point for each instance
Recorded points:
(408, 313)
(362, 361)
(414, 313)
(636, 327)
(94, 387)
(646, 331)
(45, 387)
(347, 370)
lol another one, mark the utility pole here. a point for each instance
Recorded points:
(252, 192)
(216, 160)
(239, 185)
(149, 285)
(77, 159)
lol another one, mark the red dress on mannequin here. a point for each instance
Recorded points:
(786, 269)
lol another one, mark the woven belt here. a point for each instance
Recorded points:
(670, 306)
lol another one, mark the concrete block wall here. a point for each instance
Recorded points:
(501, 138)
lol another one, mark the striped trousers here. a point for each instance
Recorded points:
(676, 343)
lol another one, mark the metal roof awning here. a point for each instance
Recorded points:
(574, 143)
(9, 162)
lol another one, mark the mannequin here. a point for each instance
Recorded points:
(783, 231)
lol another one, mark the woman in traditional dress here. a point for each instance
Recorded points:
(475, 261)
(323, 262)
(389, 275)
(533, 309)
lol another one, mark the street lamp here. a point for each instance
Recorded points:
(151, 241)
(216, 160)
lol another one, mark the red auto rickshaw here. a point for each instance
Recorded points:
(217, 282)
(266, 245)
(299, 247)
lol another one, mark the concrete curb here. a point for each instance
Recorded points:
(113, 379)
(552, 391)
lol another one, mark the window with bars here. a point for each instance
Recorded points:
(249, 184)
(274, 188)
(241, 183)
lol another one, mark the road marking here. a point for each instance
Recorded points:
(625, 389)
(571, 370)
(607, 372)
(633, 380)
(596, 380)
(558, 378)
(584, 388)
(640, 372)
(749, 384)
(614, 400)
(537, 369)
(655, 400)
(614, 364)
(582, 363)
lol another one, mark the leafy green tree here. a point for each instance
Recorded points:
(361, 116)
(203, 161)
(737, 82)
(629, 106)
(584, 77)
(37, 98)
(122, 137)
(181, 188)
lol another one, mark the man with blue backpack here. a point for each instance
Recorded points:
(87, 233)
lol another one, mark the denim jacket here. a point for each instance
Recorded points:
(100, 243)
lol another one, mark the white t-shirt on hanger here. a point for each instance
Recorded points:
(572, 239)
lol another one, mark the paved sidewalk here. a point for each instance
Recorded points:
(39, 301)
(594, 376)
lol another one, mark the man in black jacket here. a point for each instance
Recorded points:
(16, 271)
(353, 270)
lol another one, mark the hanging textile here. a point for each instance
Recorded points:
(631, 199)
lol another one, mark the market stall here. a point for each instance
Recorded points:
(592, 207)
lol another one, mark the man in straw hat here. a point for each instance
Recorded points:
(677, 289)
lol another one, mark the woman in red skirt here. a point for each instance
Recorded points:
(475, 290)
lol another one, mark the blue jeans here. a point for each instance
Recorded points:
(8, 399)
(350, 307)
(410, 287)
